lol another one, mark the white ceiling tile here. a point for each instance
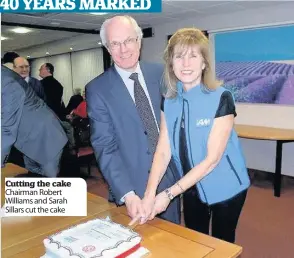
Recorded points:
(98, 20)
(186, 14)
(156, 20)
(74, 17)
(171, 7)
(90, 26)
(9, 17)
(148, 16)
(225, 8)
(7, 31)
(197, 5)
(257, 4)
(36, 37)
(64, 24)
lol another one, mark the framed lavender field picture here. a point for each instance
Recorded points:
(257, 65)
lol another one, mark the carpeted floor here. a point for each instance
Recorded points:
(266, 226)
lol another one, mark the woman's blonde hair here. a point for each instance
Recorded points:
(187, 37)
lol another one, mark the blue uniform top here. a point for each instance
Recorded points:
(199, 107)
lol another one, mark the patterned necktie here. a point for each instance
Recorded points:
(145, 112)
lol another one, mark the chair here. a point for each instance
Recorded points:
(86, 156)
(84, 151)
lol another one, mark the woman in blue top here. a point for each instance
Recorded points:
(197, 131)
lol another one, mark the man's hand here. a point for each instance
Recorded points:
(134, 207)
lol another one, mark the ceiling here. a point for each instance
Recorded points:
(36, 37)
(172, 11)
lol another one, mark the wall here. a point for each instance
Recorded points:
(259, 154)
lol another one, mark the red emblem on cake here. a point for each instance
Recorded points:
(88, 248)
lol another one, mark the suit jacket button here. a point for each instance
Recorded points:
(145, 133)
(148, 152)
(149, 171)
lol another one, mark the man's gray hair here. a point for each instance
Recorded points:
(77, 91)
(103, 29)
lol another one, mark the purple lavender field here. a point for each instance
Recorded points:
(258, 82)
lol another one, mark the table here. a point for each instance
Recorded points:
(23, 236)
(10, 171)
(281, 136)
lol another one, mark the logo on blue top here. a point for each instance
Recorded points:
(203, 122)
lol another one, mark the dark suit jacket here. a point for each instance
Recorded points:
(37, 87)
(27, 123)
(53, 92)
(117, 133)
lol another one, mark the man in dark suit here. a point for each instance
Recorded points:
(53, 90)
(29, 125)
(22, 67)
(124, 110)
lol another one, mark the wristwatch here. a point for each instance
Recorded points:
(169, 194)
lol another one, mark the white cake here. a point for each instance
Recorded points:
(95, 238)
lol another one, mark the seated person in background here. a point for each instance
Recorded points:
(81, 110)
(78, 119)
(22, 67)
(74, 101)
(29, 125)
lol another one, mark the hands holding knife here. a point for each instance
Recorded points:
(146, 209)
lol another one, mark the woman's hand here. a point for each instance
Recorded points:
(161, 203)
(148, 205)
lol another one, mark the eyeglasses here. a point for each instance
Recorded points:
(114, 45)
(23, 67)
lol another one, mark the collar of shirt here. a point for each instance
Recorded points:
(27, 79)
(125, 75)
(9, 65)
(129, 83)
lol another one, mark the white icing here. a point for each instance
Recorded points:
(95, 238)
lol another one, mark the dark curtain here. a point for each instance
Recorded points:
(106, 59)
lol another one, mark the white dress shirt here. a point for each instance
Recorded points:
(125, 75)
(129, 83)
